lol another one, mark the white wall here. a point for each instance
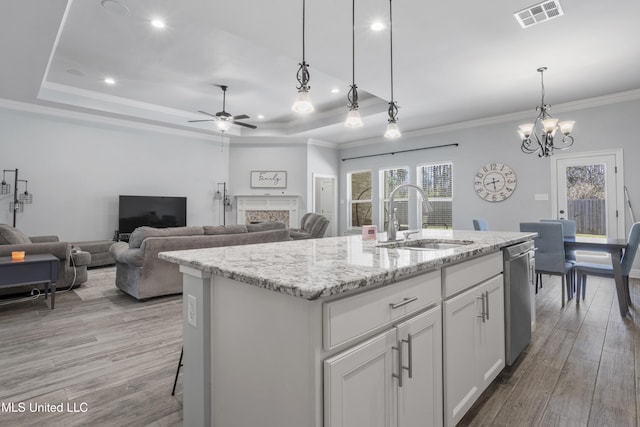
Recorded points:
(300, 158)
(605, 126)
(597, 128)
(76, 169)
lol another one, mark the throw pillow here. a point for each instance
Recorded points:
(12, 236)
(266, 226)
(224, 229)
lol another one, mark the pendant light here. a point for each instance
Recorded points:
(353, 116)
(302, 104)
(392, 131)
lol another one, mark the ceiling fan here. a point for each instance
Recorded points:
(223, 119)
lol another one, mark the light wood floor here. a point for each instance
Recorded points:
(99, 347)
(118, 356)
(582, 367)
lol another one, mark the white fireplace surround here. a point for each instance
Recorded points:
(268, 203)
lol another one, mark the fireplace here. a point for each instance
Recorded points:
(261, 208)
(255, 216)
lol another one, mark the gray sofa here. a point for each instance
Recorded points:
(73, 267)
(141, 274)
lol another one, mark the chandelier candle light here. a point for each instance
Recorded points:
(302, 104)
(538, 137)
(353, 116)
(392, 131)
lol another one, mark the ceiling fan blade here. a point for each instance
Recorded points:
(247, 125)
(206, 120)
(241, 116)
(208, 114)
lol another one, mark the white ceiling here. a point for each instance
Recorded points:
(453, 61)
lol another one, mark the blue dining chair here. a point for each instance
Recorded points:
(550, 257)
(568, 231)
(480, 224)
(606, 270)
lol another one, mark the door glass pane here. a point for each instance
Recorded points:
(586, 198)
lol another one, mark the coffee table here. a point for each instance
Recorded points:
(34, 269)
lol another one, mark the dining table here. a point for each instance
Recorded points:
(613, 246)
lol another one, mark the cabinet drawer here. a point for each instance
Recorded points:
(357, 315)
(466, 274)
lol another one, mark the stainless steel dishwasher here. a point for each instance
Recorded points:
(518, 261)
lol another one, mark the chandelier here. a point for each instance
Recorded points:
(538, 137)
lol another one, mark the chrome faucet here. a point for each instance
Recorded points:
(391, 225)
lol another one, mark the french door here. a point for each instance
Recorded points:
(589, 189)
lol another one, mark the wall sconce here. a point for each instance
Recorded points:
(226, 200)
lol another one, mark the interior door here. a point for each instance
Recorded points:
(589, 190)
(325, 200)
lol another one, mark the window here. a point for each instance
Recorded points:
(390, 179)
(359, 191)
(437, 181)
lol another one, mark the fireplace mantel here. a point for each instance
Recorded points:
(267, 203)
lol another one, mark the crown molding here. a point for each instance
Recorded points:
(104, 120)
(599, 101)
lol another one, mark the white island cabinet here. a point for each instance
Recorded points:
(393, 379)
(339, 332)
(474, 341)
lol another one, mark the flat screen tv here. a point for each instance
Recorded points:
(154, 211)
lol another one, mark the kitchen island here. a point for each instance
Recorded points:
(341, 331)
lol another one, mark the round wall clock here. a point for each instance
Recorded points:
(494, 182)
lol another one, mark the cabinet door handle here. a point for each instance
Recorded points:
(403, 302)
(409, 342)
(399, 374)
(481, 297)
(487, 298)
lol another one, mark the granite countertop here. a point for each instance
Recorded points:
(318, 268)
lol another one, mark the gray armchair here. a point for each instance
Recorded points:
(73, 267)
(312, 226)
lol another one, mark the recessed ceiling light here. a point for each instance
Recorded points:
(75, 72)
(377, 26)
(158, 23)
(115, 6)
(110, 80)
(260, 116)
(335, 90)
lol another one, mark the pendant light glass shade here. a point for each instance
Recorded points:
(302, 104)
(393, 131)
(353, 119)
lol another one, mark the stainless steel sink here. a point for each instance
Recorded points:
(435, 246)
(427, 244)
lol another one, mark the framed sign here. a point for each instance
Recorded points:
(268, 179)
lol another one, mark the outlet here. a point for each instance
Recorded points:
(192, 311)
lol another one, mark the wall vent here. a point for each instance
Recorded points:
(538, 13)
